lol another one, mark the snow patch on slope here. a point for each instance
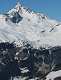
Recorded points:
(53, 75)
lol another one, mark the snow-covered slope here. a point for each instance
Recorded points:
(53, 75)
(21, 24)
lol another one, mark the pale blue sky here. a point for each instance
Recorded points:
(51, 8)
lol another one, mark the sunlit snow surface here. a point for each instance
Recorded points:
(35, 28)
(53, 75)
(30, 46)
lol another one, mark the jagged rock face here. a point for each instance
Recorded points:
(27, 62)
(16, 18)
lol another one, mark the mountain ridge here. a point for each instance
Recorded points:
(21, 24)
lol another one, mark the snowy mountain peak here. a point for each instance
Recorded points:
(26, 12)
(18, 6)
(22, 11)
(20, 24)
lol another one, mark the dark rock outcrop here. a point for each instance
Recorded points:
(38, 62)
